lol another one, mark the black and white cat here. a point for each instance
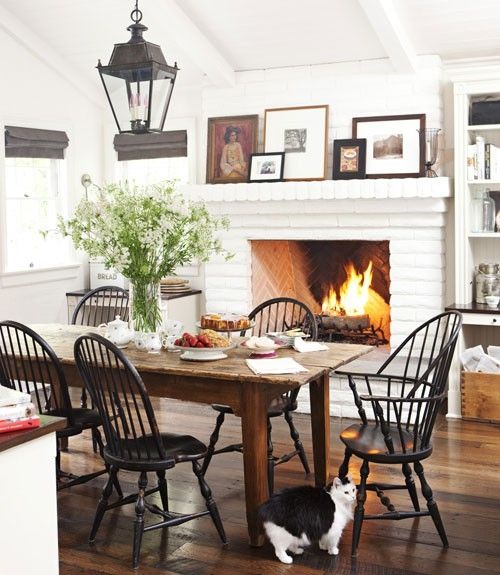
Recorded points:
(299, 516)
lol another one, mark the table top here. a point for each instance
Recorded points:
(47, 425)
(62, 337)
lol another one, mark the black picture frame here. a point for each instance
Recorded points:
(344, 167)
(266, 167)
(394, 145)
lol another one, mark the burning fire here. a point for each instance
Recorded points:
(353, 293)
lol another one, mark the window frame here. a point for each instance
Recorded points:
(65, 270)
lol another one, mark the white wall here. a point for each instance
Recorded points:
(34, 95)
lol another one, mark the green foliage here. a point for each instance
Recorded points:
(144, 232)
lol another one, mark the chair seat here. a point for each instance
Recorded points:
(367, 442)
(276, 408)
(87, 418)
(177, 447)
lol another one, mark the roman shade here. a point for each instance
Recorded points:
(34, 143)
(171, 144)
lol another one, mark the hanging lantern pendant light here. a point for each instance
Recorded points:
(138, 82)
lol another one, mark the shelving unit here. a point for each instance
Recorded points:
(480, 322)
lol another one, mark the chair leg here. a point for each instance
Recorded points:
(270, 458)
(213, 440)
(344, 467)
(431, 504)
(410, 485)
(163, 487)
(140, 508)
(209, 500)
(294, 434)
(103, 503)
(360, 508)
(97, 442)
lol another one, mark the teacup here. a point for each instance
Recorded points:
(172, 327)
(492, 300)
(148, 341)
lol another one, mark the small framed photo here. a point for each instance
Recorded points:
(267, 167)
(349, 159)
(302, 134)
(394, 147)
(231, 141)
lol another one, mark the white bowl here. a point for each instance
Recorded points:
(203, 353)
(492, 300)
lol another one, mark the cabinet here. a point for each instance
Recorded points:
(481, 324)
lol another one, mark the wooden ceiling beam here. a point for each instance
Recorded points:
(184, 32)
(386, 23)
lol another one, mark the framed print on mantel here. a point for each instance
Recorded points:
(302, 133)
(231, 142)
(349, 159)
(393, 145)
(266, 167)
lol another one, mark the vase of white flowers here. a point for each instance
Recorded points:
(145, 233)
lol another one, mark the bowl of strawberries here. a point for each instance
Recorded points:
(205, 346)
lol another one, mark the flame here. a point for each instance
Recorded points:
(353, 293)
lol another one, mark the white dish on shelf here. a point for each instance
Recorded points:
(203, 353)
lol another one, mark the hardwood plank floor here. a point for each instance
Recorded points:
(463, 472)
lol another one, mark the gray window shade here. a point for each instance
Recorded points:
(171, 144)
(33, 143)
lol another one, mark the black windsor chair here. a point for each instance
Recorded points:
(414, 379)
(100, 305)
(30, 365)
(274, 315)
(133, 440)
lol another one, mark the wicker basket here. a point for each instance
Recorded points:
(481, 396)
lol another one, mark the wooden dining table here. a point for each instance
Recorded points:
(230, 382)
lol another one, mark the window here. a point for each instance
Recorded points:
(34, 198)
(152, 171)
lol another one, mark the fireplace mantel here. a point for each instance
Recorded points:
(378, 189)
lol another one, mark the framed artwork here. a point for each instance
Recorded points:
(349, 159)
(267, 167)
(231, 141)
(393, 145)
(302, 134)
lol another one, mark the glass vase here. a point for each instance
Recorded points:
(145, 306)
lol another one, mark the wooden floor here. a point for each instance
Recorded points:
(463, 472)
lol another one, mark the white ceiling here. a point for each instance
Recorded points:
(257, 34)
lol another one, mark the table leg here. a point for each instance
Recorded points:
(319, 394)
(254, 432)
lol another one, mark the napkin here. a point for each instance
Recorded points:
(275, 366)
(302, 346)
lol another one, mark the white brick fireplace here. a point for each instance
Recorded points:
(410, 213)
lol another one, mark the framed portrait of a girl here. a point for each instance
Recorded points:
(231, 141)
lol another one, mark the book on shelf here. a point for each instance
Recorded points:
(480, 150)
(10, 396)
(7, 425)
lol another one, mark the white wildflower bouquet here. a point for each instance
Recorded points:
(145, 233)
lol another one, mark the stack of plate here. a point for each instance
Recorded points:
(173, 285)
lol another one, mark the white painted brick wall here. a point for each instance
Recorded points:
(369, 88)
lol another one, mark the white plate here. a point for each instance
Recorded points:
(261, 350)
(203, 353)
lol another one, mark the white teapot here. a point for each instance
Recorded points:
(118, 332)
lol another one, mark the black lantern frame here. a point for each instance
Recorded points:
(138, 82)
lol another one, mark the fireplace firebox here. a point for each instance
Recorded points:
(346, 283)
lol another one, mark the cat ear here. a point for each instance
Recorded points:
(337, 482)
(349, 477)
